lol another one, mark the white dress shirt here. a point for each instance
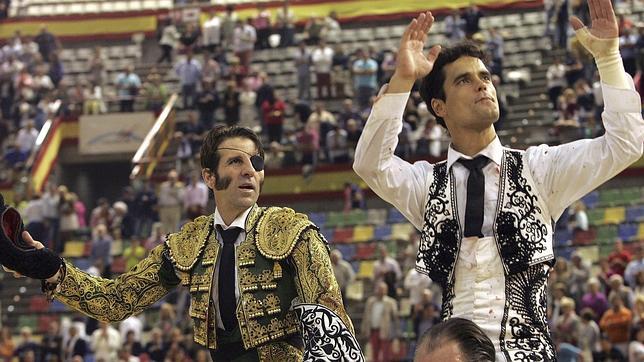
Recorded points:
(239, 222)
(562, 175)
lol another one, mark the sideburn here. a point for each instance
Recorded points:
(222, 183)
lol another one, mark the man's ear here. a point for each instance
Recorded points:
(439, 107)
(208, 178)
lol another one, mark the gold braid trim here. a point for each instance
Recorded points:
(315, 280)
(279, 230)
(114, 300)
(186, 245)
(279, 352)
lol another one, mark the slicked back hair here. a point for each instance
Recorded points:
(217, 135)
(432, 86)
(470, 339)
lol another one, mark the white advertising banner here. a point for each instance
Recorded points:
(113, 133)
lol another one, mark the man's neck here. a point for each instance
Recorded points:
(470, 142)
(228, 216)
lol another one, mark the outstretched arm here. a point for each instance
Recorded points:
(393, 179)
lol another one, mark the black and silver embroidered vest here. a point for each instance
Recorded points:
(523, 235)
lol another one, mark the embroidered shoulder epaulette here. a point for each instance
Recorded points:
(279, 230)
(186, 245)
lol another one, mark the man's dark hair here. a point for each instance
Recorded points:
(470, 338)
(432, 86)
(217, 135)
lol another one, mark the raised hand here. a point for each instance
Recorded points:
(602, 17)
(411, 62)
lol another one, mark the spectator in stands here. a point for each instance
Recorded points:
(561, 12)
(380, 323)
(566, 327)
(635, 266)
(331, 30)
(262, 24)
(578, 218)
(102, 214)
(231, 104)
(168, 42)
(353, 197)
(247, 110)
(343, 272)
(308, 143)
(456, 87)
(207, 103)
(454, 27)
(456, 339)
(364, 78)
(170, 202)
(96, 68)
(101, 248)
(273, 110)
(51, 211)
(556, 80)
(26, 139)
(387, 270)
(211, 71)
(155, 347)
(211, 32)
(128, 85)
(189, 72)
(244, 42)
(471, 17)
(388, 66)
(494, 46)
(340, 76)
(589, 334)
(284, 24)
(105, 343)
(337, 145)
(619, 257)
(156, 237)
(322, 122)
(303, 62)
(52, 343)
(131, 345)
(416, 284)
(617, 287)
(7, 345)
(68, 216)
(628, 47)
(156, 92)
(616, 323)
(636, 347)
(228, 24)
(322, 60)
(131, 323)
(144, 210)
(47, 42)
(195, 197)
(314, 29)
(189, 38)
(133, 254)
(608, 351)
(27, 345)
(75, 345)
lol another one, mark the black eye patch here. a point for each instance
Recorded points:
(258, 162)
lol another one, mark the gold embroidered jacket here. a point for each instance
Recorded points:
(286, 285)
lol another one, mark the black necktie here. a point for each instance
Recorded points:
(475, 192)
(226, 288)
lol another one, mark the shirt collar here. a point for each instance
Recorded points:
(239, 222)
(493, 151)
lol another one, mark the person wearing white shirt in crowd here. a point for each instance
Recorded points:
(170, 200)
(211, 32)
(416, 283)
(195, 197)
(244, 40)
(634, 267)
(322, 60)
(26, 139)
(131, 323)
(343, 272)
(493, 258)
(105, 342)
